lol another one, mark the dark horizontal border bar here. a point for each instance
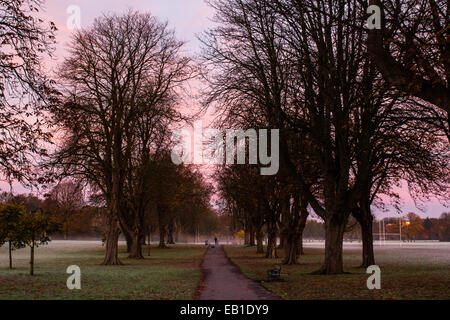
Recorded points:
(359, 309)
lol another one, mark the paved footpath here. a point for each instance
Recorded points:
(224, 281)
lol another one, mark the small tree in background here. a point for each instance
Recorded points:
(67, 200)
(11, 216)
(36, 227)
(415, 226)
(427, 224)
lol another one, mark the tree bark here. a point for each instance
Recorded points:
(300, 250)
(66, 229)
(271, 252)
(162, 226)
(290, 249)
(170, 239)
(162, 235)
(246, 236)
(334, 232)
(294, 224)
(365, 219)
(367, 239)
(113, 214)
(136, 246)
(252, 237)
(149, 243)
(142, 238)
(32, 259)
(10, 254)
(128, 239)
(282, 241)
(259, 241)
(303, 219)
(112, 242)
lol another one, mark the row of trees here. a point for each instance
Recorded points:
(358, 112)
(347, 135)
(415, 228)
(79, 215)
(27, 220)
(120, 91)
(65, 205)
(107, 117)
(410, 228)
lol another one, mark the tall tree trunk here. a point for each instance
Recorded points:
(294, 224)
(149, 243)
(128, 238)
(142, 238)
(300, 250)
(170, 239)
(303, 218)
(364, 217)
(66, 230)
(287, 216)
(162, 235)
(334, 237)
(114, 202)
(170, 232)
(246, 236)
(112, 242)
(367, 239)
(282, 241)
(290, 248)
(161, 226)
(259, 241)
(252, 236)
(136, 246)
(10, 254)
(271, 252)
(32, 258)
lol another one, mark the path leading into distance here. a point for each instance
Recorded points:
(224, 281)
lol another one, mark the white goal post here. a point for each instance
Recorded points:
(382, 232)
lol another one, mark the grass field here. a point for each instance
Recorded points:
(410, 272)
(172, 273)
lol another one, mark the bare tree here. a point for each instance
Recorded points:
(67, 198)
(394, 145)
(302, 67)
(119, 72)
(412, 48)
(24, 89)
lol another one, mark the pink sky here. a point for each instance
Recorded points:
(188, 17)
